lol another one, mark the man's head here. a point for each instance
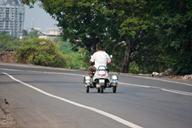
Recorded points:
(99, 47)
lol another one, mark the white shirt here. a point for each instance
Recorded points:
(100, 58)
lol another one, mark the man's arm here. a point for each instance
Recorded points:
(108, 59)
(91, 63)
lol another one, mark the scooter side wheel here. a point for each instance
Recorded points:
(87, 89)
(114, 89)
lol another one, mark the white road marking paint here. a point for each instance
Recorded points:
(74, 74)
(114, 117)
(169, 81)
(162, 89)
(177, 92)
(136, 85)
(69, 74)
(55, 73)
(6, 69)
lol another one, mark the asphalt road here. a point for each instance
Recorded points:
(56, 98)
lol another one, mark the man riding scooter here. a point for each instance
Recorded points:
(99, 58)
(98, 74)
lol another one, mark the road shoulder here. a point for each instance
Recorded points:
(7, 119)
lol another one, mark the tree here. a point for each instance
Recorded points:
(132, 30)
(172, 27)
(87, 23)
(156, 35)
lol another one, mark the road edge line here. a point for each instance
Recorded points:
(106, 114)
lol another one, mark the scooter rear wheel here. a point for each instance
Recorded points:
(101, 89)
(98, 90)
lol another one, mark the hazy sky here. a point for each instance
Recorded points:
(37, 17)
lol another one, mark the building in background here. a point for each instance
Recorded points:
(12, 17)
(52, 34)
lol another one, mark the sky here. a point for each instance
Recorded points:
(38, 18)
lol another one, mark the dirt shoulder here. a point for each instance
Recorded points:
(8, 57)
(7, 119)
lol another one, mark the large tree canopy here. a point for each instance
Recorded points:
(152, 35)
(171, 29)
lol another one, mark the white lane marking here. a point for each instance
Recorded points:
(69, 74)
(114, 117)
(6, 69)
(74, 74)
(45, 72)
(162, 89)
(169, 81)
(136, 85)
(177, 92)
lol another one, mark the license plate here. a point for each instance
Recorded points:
(101, 81)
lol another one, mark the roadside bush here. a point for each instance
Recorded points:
(134, 68)
(40, 52)
(76, 60)
(8, 43)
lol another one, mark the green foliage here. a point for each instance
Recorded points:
(33, 34)
(75, 61)
(76, 57)
(173, 28)
(86, 23)
(65, 46)
(8, 43)
(132, 27)
(134, 68)
(40, 52)
(148, 35)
